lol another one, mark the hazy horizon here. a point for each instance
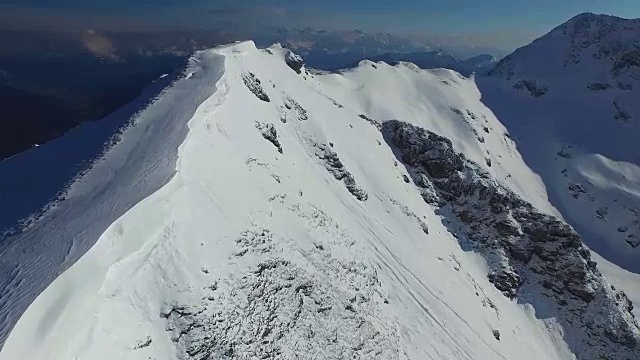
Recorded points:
(500, 24)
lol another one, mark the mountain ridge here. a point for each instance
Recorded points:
(357, 186)
(305, 263)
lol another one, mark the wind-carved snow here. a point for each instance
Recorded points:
(248, 252)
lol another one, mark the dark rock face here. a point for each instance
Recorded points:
(254, 85)
(291, 104)
(507, 281)
(529, 252)
(633, 241)
(532, 87)
(370, 121)
(269, 132)
(294, 61)
(576, 190)
(333, 164)
(626, 60)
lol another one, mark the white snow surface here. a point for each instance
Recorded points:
(268, 252)
(53, 239)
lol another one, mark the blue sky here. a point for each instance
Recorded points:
(502, 23)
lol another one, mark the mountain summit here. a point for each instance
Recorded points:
(595, 47)
(259, 209)
(570, 100)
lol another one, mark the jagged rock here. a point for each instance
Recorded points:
(633, 241)
(576, 190)
(301, 112)
(143, 344)
(333, 164)
(435, 155)
(294, 61)
(270, 133)
(622, 297)
(507, 228)
(254, 85)
(585, 293)
(531, 87)
(466, 217)
(507, 281)
(525, 248)
(370, 121)
(628, 59)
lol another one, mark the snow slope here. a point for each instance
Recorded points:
(72, 219)
(570, 101)
(292, 228)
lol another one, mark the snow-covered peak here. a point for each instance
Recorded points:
(575, 90)
(596, 48)
(237, 47)
(570, 99)
(381, 212)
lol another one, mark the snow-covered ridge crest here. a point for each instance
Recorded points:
(121, 173)
(292, 230)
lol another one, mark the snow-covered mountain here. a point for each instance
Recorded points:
(259, 209)
(570, 99)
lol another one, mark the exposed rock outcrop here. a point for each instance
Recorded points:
(529, 252)
(532, 87)
(294, 61)
(270, 134)
(254, 85)
(333, 164)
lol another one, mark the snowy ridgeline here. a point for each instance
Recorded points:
(304, 222)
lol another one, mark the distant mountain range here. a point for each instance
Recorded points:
(333, 50)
